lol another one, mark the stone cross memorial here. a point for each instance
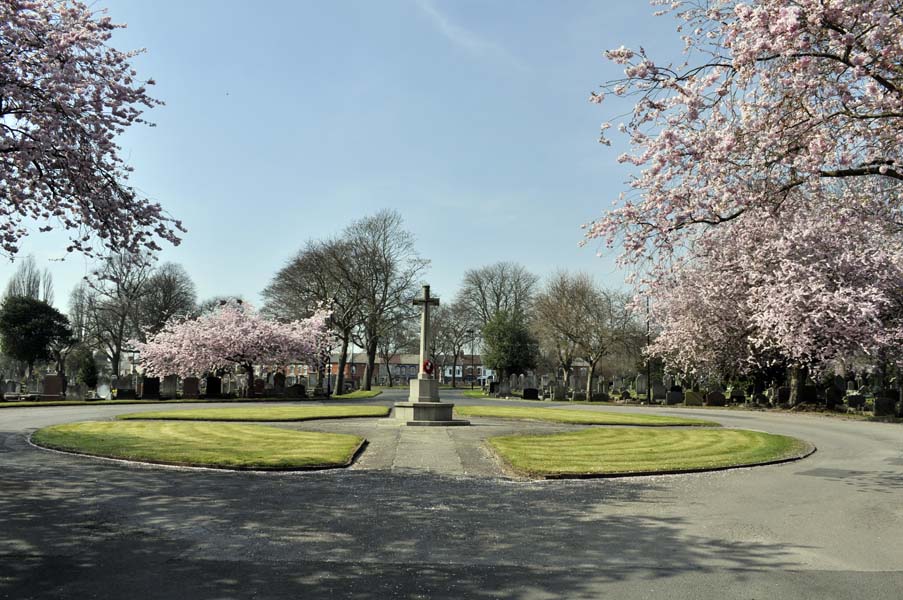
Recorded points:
(423, 406)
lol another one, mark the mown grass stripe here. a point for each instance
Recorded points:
(261, 413)
(581, 417)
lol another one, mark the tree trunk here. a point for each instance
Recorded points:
(590, 374)
(343, 361)
(372, 345)
(114, 363)
(455, 371)
(797, 381)
(249, 370)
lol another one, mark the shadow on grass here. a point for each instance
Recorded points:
(78, 528)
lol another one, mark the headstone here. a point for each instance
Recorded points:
(559, 393)
(191, 387)
(714, 399)
(512, 382)
(808, 395)
(886, 405)
(783, 395)
(104, 391)
(673, 397)
(658, 392)
(521, 380)
(279, 384)
(124, 383)
(600, 397)
(692, 398)
(531, 394)
(213, 386)
(504, 389)
(578, 396)
(851, 386)
(641, 385)
(833, 397)
(53, 386)
(625, 395)
(295, 391)
(855, 401)
(259, 387)
(737, 395)
(169, 388)
(493, 387)
(150, 388)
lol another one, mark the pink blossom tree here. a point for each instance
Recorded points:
(820, 287)
(775, 99)
(64, 98)
(231, 335)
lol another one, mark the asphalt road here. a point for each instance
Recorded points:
(398, 526)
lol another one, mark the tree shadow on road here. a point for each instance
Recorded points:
(72, 527)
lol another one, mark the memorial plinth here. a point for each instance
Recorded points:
(424, 408)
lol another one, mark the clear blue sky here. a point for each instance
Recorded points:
(286, 120)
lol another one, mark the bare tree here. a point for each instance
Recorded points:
(552, 313)
(169, 292)
(31, 282)
(321, 273)
(453, 328)
(587, 322)
(113, 301)
(398, 335)
(387, 271)
(503, 286)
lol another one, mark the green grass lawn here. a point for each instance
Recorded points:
(477, 393)
(261, 413)
(582, 417)
(220, 445)
(358, 394)
(624, 451)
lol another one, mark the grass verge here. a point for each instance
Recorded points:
(217, 445)
(261, 413)
(635, 451)
(475, 394)
(579, 417)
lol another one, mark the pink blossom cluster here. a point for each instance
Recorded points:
(818, 287)
(233, 335)
(775, 97)
(65, 96)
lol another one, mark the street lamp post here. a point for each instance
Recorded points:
(472, 371)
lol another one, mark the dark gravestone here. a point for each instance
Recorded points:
(658, 392)
(600, 397)
(150, 388)
(783, 395)
(625, 395)
(493, 387)
(737, 396)
(885, 406)
(578, 396)
(191, 387)
(531, 394)
(674, 397)
(53, 387)
(809, 395)
(214, 386)
(714, 399)
(856, 401)
(833, 397)
(170, 387)
(295, 391)
(259, 387)
(692, 398)
(279, 384)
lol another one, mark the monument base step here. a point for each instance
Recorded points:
(452, 423)
(426, 414)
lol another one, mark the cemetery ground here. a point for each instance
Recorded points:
(429, 512)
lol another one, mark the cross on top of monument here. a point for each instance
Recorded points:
(426, 301)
